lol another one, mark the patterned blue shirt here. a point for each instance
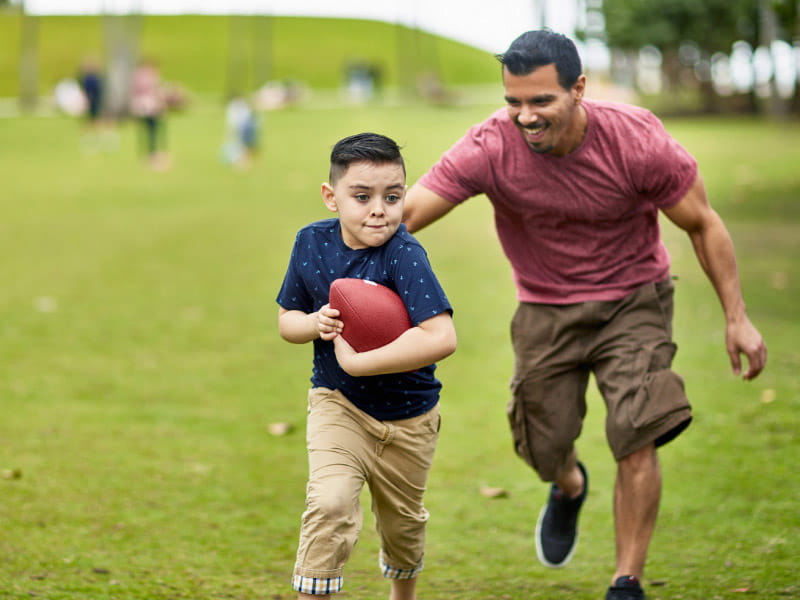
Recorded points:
(319, 256)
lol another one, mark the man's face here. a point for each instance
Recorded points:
(550, 118)
(369, 200)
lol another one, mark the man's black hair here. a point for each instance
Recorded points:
(363, 147)
(534, 49)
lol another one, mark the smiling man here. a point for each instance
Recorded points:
(577, 186)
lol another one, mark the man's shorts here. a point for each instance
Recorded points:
(628, 346)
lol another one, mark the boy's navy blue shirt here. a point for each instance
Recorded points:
(319, 256)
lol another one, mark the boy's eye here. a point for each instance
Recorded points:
(392, 198)
(362, 197)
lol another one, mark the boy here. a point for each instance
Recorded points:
(373, 416)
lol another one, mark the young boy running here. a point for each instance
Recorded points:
(373, 416)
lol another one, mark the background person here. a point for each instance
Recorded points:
(576, 187)
(373, 416)
(149, 104)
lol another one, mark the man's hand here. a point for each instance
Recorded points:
(743, 338)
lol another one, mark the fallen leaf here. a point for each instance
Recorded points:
(45, 304)
(493, 492)
(11, 473)
(768, 396)
(279, 428)
(779, 280)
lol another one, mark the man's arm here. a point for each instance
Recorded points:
(429, 342)
(422, 207)
(714, 249)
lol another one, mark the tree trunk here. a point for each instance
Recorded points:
(774, 106)
(121, 33)
(28, 63)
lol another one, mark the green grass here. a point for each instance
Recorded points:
(202, 52)
(141, 366)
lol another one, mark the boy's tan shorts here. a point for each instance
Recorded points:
(628, 346)
(346, 449)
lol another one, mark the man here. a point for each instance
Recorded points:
(576, 187)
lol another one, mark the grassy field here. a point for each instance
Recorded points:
(203, 52)
(140, 368)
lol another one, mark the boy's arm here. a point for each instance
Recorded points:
(298, 327)
(429, 342)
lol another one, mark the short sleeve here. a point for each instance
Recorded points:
(293, 294)
(668, 169)
(417, 284)
(458, 174)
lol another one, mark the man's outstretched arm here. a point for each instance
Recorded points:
(422, 207)
(714, 249)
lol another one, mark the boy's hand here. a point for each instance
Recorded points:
(328, 325)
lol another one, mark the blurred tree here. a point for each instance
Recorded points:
(787, 13)
(122, 35)
(688, 33)
(29, 62)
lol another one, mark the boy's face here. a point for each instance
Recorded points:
(369, 200)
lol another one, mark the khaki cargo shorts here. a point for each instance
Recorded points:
(348, 448)
(628, 346)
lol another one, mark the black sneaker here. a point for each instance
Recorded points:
(626, 587)
(557, 527)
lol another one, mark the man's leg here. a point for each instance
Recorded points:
(636, 498)
(570, 480)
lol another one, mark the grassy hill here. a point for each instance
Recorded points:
(204, 52)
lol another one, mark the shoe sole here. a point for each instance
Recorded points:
(540, 552)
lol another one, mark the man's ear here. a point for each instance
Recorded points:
(578, 89)
(328, 197)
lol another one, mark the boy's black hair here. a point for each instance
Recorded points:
(534, 49)
(363, 147)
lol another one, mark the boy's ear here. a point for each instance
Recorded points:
(328, 197)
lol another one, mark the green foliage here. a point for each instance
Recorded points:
(199, 51)
(712, 24)
(141, 366)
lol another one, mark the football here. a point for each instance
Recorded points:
(373, 315)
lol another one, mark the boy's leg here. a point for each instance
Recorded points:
(337, 445)
(404, 589)
(402, 462)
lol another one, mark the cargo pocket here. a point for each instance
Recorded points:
(516, 419)
(661, 395)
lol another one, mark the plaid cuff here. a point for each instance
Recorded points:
(317, 586)
(391, 572)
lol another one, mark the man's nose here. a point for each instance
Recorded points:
(527, 116)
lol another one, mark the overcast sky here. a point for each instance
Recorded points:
(487, 24)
